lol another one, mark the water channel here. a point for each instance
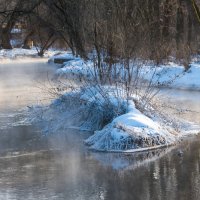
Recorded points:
(60, 166)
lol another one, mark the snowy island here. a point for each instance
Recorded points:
(138, 127)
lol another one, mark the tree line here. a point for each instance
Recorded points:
(114, 29)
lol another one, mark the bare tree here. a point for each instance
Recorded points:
(12, 11)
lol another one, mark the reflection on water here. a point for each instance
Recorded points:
(60, 166)
(69, 171)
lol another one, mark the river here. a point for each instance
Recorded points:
(60, 166)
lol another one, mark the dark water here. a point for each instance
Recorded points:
(60, 166)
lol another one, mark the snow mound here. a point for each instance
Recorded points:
(75, 68)
(132, 130)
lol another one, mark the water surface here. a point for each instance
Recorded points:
(34, 166)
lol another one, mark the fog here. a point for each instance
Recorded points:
(186, 102)
(19, 79)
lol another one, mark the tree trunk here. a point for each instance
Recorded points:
(154, 25)
(166, 20)
(26, 44)
(5, 39)
(179, 24)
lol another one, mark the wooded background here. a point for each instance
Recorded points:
(116, 29)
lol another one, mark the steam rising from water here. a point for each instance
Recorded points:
(187, 102)
(20, 87)
(19, 82)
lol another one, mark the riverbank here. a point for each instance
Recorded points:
(21, 54)
(169, 75)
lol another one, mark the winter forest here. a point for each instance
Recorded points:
(121, 29)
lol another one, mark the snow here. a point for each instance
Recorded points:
(135, 118)
(190, 79)
(76, 109)
(16, 30)
(13, 53)
(132, 130)
(22, 54)
(169, 75)
(174, 76)
(75, 68)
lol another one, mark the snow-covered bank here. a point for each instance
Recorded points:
(175, 76)
(74, 68)
(169, 75)
(23, 54)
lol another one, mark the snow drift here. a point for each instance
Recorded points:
(132, 130)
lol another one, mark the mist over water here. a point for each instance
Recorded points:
(20, 82)
(60, 166)
(187, 101)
